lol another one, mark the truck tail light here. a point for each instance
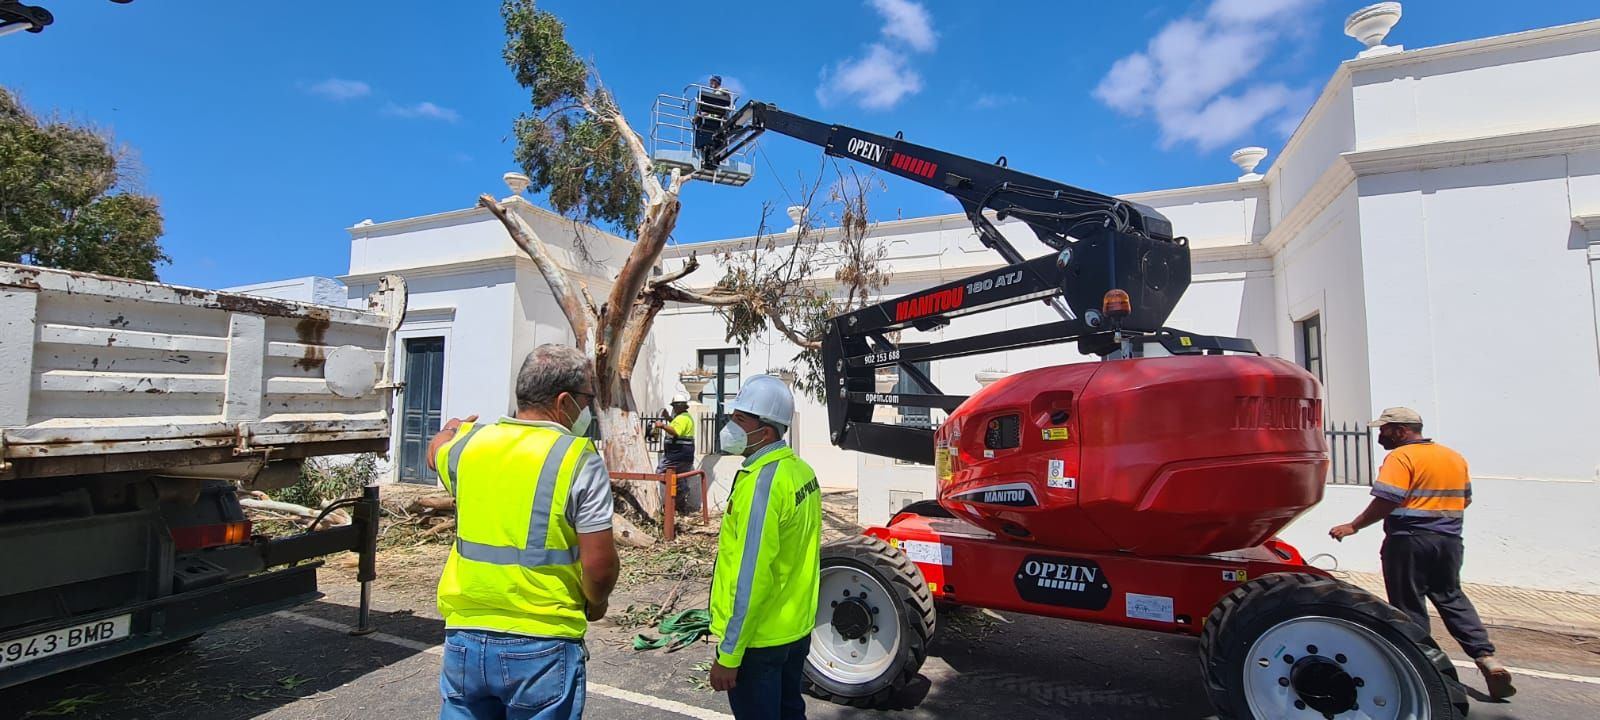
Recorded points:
(199, 537)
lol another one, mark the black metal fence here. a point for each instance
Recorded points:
(709, 439)
(652, 436)
(1350, 449)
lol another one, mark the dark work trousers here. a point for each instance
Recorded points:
(679, 455)
(768, 686)
(1428, 565)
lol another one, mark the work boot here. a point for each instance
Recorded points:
(1497, 677)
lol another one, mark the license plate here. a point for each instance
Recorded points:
(64, 640)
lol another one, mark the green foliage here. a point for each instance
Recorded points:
(568, 145)
(325, 479)
(61, 204)
(780, 284)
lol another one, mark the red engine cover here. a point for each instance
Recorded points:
(1156, 456)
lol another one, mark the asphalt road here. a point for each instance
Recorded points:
(302, 665)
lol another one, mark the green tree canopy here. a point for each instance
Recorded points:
(567, 144)
(61, 204)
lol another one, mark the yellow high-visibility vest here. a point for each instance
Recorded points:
(764, 588)
(514, 567)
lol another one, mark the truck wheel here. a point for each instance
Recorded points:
(1295, 645)
(874, 619)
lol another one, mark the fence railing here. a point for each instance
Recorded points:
(708, 441)
(1350, 450)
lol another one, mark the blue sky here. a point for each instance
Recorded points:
(268, 128)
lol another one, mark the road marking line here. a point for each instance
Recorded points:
(1546, 674)
(379, 636)
(672, 706)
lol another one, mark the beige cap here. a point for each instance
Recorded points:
(1402, 415)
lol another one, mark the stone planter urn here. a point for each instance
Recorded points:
(885, 381)
(786, 375)
(987, 377)
(694, 384)
(1371, 25)
(1247, 158)
(796, 214)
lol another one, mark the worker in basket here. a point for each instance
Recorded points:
(712, 106)
(677, 452)
(764, 586)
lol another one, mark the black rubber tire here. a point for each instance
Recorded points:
(914, 612)
(1254, 607)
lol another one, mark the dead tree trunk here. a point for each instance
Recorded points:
(614, 333)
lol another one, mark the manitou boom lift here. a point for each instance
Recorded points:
(1143, 491)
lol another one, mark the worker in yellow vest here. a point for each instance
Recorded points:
(764, 587)
(534, 560)
(677, 452)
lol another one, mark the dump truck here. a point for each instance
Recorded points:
(132, 414)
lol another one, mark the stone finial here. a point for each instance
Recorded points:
(516, 182)
(797, 213)
(1371, 25)
(1247, 158)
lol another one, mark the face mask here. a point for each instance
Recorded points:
(580, 424)
(733, 438)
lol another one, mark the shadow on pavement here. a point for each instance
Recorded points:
(243, 669)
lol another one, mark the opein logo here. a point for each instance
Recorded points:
(866, 150)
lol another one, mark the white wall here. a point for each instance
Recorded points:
(311, 289)
(1483, 87)
(1528, 533)
(1480, 314)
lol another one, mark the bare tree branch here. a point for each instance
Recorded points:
(673, 293)
(691, 265)
(580, 317)
(794, 337)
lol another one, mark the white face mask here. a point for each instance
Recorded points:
(733, 438)
(580, 424)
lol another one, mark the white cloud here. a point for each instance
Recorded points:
(989, 101)
(340, 89)
(882, 75)
(423, 109)
(1194, 76)
(878, 80)
(908, 22)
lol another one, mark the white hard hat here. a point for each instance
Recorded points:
(681, 397)
(766, 397)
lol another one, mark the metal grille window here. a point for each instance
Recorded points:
(1310, 342)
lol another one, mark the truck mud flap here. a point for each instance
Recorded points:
(173, 618)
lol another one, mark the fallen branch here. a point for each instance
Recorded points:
(440, 528)
(334, 519)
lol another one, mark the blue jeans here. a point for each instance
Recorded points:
(768, 686)
(496, 675)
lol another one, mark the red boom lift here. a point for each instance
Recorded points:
(1143, 491)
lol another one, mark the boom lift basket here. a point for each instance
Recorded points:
(678, 121)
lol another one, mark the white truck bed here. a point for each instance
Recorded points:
(101, 374)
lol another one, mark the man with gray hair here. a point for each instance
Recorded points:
(534, 561)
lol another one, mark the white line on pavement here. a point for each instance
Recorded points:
(379, 636)
(1546, 674)
(672, 706)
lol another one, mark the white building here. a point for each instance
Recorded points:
(1429, 236)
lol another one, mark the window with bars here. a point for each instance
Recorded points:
(1309, 340)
